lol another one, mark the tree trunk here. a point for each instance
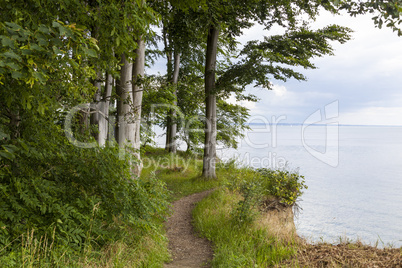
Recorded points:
(104, 111)
(95, 106)
(125, 122)
(138, 73)
(173, 123)
(168, 124)
(169, 64)
(209, 160)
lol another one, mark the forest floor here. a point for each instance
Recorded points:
(187, 248)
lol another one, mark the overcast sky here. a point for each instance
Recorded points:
(364, 76)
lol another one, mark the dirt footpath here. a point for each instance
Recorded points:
(187, 248)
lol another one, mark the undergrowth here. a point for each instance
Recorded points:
(181, 172)
(73, 212)
(65, 206)
(228, 217)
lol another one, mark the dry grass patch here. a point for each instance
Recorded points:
(344, 255)
(279, 224)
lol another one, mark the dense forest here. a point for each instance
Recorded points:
(77, 106)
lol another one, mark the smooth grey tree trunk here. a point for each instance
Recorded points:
(209, 160)
(138, 73)
(95, 106)
(172, 146)
(125, 120)
(104, 111)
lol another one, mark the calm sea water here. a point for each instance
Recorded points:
(353, 173)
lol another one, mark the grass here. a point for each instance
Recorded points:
(135, 250)
(181, 172)
(268, 239)
(243, 235)
(248, 245)
(235, 245)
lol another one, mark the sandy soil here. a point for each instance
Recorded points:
(187, 248)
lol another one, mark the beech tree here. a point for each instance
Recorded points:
(181, 38)
(259, 61)
(51, 60)
(388, 13)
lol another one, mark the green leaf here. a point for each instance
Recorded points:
(44, 29)
(8, 151)
(57, 50)
(15, 27)
(41, 109)
(36, 47)
(12, 55)
(55, 24)
(40, 77)
(42, 40)
(89, 52)
(7, 155)
(26, 52)
(7, 42)
(13, 65)
(17, 75)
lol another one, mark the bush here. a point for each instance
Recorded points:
(78, 197)
(285, 185)
(263, 188)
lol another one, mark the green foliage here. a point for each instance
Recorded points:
(80, 197)
(244, 213)
(263, 188)
(285, 185)
(386, 13)
(231, 123)
(32, 59)
(274, 58)
(236, 246)
(181, 171)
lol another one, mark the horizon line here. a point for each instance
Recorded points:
(318, 124)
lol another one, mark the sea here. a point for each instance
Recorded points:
(353, 174)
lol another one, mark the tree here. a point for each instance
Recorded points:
(229, 19)
(125, 118)
(388, 12)
(50, 61)
(137, 89)
(130, 90)
(180, 34)
(208, 169)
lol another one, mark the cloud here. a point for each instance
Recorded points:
(248, 104)
(288, 101)
(371, 52)
(363, 75)
(373, 116)
(279, 91)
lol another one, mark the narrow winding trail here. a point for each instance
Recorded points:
(187, 249)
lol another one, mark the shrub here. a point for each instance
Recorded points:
(80, 197)
(263, 188)
(285, 185)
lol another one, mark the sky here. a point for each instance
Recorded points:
(363, 78)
